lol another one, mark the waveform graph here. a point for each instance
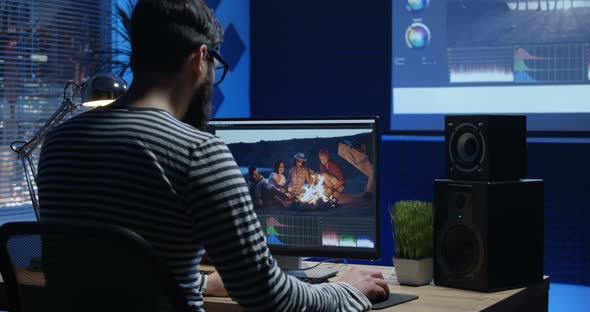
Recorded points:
(557, 63)
(365, 242)
(273, 222)
(274, 240)
(273, 236)
(344, 239)
(330, 238)
(521, 69)
(347, 240)
(480, 65)
(347, 232)
(300, 231)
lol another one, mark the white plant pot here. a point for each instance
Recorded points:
(413, 272)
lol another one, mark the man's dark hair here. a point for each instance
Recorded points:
(165, 32)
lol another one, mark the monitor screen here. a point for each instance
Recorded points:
(313, 182)
(456, 57)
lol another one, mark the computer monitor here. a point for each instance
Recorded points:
(318, 195)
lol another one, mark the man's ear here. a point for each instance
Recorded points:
(199, 61)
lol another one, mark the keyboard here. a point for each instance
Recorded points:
(312, 280)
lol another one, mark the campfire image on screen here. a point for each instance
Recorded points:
(321, 175)
(314, 196)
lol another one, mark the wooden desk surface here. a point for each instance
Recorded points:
(436, 298)
(431, 297)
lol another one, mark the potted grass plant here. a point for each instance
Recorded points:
(412, 235)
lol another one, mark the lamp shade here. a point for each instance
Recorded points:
(103, 89)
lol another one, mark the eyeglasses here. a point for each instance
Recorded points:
(221, 68)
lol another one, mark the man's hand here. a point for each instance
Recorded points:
(368, 281)
(215, 286)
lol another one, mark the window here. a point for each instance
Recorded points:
(43, 45)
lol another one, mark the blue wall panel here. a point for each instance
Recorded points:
(566, 170)
(408, 169)
(232, 97)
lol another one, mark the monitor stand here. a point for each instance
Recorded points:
(292, 266)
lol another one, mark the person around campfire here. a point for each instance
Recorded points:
(262, 192)
(357, 155)
(256, 183)
(277, 179)
(298, 175)
(334, 180)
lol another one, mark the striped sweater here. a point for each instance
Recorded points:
(181, 190)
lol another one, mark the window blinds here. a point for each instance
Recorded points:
(43, 45)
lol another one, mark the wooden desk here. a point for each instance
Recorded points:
(431, 297)
(440, 299)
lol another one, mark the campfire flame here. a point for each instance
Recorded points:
(313, 193)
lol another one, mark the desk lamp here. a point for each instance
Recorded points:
(99, 90)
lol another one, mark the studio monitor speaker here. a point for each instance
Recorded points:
(488, 236)
(485, 147)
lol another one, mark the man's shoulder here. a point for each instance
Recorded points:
(201, 137)
(191, 133)
(195, 137)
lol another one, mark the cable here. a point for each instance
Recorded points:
(330, 260)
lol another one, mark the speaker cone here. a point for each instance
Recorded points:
(467, 147)
(460, 250)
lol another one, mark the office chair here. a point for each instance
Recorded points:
(63, 266)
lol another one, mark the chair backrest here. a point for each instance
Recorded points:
(62, 266)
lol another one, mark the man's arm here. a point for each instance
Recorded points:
(308, 177)
(338, 174)
(231, 233)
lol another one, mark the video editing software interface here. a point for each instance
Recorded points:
(313, 183)
(491, 57)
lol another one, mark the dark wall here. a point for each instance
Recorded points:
(327, 58)
(320, 58)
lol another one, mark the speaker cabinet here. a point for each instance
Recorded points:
(486, 147)
(488, 236)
